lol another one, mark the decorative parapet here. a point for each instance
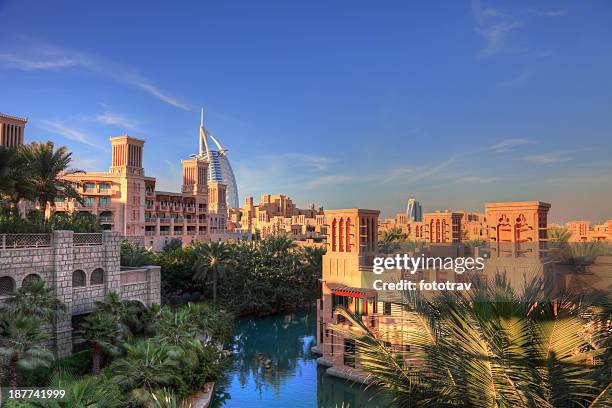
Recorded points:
(18, 241)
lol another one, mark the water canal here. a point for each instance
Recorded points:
(291, 378)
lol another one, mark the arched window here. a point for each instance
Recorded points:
(78, 278)
(7, 286)
(97, 277)
(347, 241)
(30, 278)
(341, 235)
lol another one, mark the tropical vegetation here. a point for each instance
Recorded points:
(34, 174)
(135, 357)
(246, 277)
(492, 347)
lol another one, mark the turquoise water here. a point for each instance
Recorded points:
(293, 379)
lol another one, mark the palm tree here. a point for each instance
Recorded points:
(165, 398)
(37, 300)
(21, 343)
(391, 239)
(211, 260)
(133, 254)
(85, 392)
(146, 367)
(102, 331)
(15, 180)
(7, 161)
(558, 237)
(49, 166)
(213, 325)
(125, 312)
(489, 348)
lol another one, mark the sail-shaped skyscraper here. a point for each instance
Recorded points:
(219, 167)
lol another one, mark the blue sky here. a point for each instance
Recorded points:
(342, 103)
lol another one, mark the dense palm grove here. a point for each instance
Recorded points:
(134, 357)
(247, 277)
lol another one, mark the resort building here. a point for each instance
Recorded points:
(219, 167)
(12, 130)
(125, 200)
(444, 227)
(581, 231)
(277, 214)
(516, 232)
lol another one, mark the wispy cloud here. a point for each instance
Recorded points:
(32, 55)
(89, 164)
(475, 180)
(414, 174)
(115, 119)
(59, 128)
(507, 145)
(549, 13)
(495, 26)
(329, 179)
(515, 81)
(293, 160)
(492, 26)
(549, 158)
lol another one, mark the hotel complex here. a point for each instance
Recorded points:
(125, 200)
(516, 233)
(277, 214)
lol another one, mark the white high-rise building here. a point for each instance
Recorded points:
(219, 168)
(414, 211)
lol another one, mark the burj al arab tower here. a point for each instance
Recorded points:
(219, 168)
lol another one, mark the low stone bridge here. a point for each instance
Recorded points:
(81, 268)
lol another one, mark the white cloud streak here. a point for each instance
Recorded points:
(35, 56)
(115, 119)
(59, 128)
(508, 145)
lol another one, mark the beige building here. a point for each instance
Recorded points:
(581, 231)
(517, 238)
(124, 199)
(277, 214)
(446, 227)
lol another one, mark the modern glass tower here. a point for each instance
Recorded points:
(414, 211)
(219, 168)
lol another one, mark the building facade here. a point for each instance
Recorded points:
(277, 214)
(125, 200)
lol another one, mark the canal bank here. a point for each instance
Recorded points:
(273, 366)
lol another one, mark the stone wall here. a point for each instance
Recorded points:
(64, 263)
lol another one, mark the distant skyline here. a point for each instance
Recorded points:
(344, 104)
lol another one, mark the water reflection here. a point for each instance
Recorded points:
(273, 367)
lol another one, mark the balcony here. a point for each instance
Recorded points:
(150, 233)
(106, 219)
(104, 205)
(164, 232)
(151, 220)
(165, 220)
(179, 220)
